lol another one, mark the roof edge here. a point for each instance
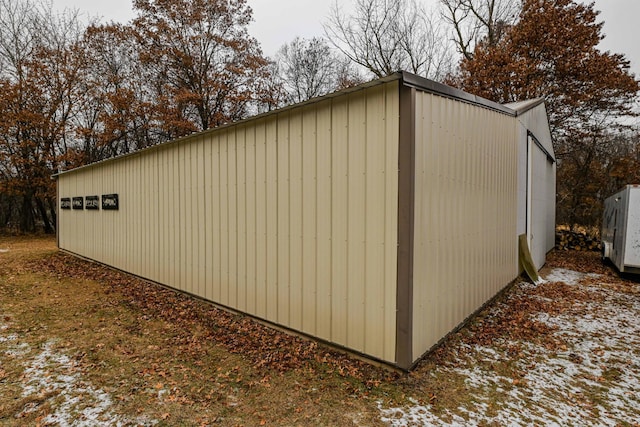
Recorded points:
(522, 107)
(366, 85)
(441, 89)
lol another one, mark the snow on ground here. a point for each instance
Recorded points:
(602, 359)
(74, 401)
(569, 277)
(79, 403)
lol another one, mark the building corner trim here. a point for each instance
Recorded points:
(406, 202)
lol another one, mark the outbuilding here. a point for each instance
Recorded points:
(377, 218)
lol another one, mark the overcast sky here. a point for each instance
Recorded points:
(279, 21)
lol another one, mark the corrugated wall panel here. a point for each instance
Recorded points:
(224, 205)
(290, 217)
(202, 220)
(215, 218)
(356, 219)
(273, 255)
(141, 212)
(251, 239)
(284, 238)
(241, 195)
(375, 216)
(391, 120)
(234, 217)
(261, 221)
(465, 213)
(309, 231)
(323, 209)
(339, 216)
(295, 196)
(206, 232)
(174, 216)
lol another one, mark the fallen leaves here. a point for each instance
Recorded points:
(265, 347)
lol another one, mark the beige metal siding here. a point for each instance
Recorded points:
(291, 217)
(465, 213)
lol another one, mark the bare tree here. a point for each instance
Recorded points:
(40, 71)
(385, 36)
(17, 36)
(309, 67)
(479, 20)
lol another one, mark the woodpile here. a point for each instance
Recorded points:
(577, 241)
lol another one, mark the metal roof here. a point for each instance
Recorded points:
(522, 107)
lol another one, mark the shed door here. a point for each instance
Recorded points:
(529, 215)
(540, 193)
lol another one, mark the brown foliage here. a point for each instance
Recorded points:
(71, 95)
(552, 52)
(206, 66)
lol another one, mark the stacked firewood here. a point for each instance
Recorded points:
(577, 240)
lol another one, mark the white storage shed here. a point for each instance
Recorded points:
(377, 218)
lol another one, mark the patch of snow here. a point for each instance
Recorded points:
(4, 251)
(8, 337)
(52, 371)
(75, 402)
(19, 349)
(417, 415)
(13, 349)
(602, 357)
(569, 277)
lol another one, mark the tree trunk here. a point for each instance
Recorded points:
(54, 216)
(6, 204)
(44, 216)
(27, 221)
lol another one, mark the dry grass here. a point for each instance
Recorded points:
(84, 345)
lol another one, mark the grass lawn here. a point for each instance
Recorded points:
(81, 344)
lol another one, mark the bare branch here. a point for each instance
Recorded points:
(385, 36)
(475, 21)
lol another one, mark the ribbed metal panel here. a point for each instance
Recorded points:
(291, 217)
(465, 247)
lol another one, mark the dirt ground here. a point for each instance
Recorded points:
(83, 345)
